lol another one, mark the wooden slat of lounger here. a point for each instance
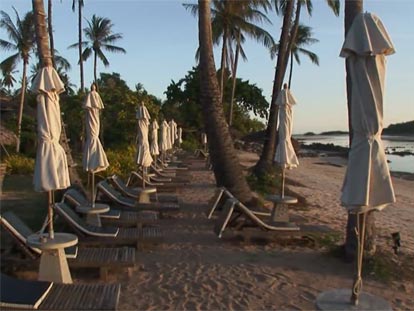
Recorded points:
(146, 233)
(82, 297)
(111, 257)
(128, 218)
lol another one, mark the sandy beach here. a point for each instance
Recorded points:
(195, 270)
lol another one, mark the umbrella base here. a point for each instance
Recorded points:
(280, 211)
(340, 299)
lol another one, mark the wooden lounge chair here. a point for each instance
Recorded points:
(94, 235)
(121, 186)
(237, 217)
(113, 217)
(42, 295)
(171, 166)
(220, 197)
(135, 178)
(106, 193)
(104, 258)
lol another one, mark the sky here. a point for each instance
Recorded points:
(161, 38)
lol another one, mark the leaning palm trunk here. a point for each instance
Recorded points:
(20, 116)
(291, 69)
(95, 61)
(352, 8)
(269, 146)
(223, 64)
(233, 87)
(226, 166)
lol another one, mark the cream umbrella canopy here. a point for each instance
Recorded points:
(154, 150)
(94, 157)
(367, 185)
(285, 155)
(51, 167)
(143, 158)
(204, 141)
(164, 139)
(180, 136)
(173, 132)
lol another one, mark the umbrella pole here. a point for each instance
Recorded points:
(143, 177)
(51, 200)
(283, 183)
(360, 233)
(93, 190)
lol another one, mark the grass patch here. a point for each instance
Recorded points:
(19, 164)
(267, 183)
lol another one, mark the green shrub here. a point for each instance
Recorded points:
(121, 161)
(268, 183)
(19, 164)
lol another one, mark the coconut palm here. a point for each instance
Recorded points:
(226, 166)
(7, 72)
(232, 21)
(99, 33)
(80, 6)
(287, 38)
(21, 36)
(303, 38)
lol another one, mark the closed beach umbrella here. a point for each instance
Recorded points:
(143, 158)
(367, 185)
(94, 157)
(285, 155)
(204, 141)
(51, 167)
(173, 132)
(180, 135)
(154, 138)
(164, 137)
(168, 138)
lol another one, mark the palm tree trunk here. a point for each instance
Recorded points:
(269, 146)
(226, 166)
(20, 115)
(291, 69)
(82, 82)
(293, 32)
(223, 64)
(45, 60)
(233, 87)
(50, 29)
(353, 8)
(95, 61)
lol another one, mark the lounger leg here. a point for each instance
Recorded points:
(103, 273)
(54, 267)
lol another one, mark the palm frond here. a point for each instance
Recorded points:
(102, 57)
(86, 54)
(192, 8)
(312, 56)
(113, 48)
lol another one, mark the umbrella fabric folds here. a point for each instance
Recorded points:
(168, 137)
(285, 154)
(173, 132)
(94, 157)
(164, 136)
(143, 158)
(180, 135)
(154, 138)
(367, 184)
(51, 168)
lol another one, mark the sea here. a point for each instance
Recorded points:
(392, 144)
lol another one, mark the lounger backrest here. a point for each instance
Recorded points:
(13, 224)
(240, 207)
(75, 197)
(118, 183)
(109, 191)
(78, 223)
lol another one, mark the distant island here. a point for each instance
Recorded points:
(403, 129)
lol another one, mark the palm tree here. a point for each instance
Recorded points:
(231, 22)
(80, 6)
(226, 165)
(21, 37)
(303, 37)
(287, 38)
(352, 9)
(7, 71)
(99, 33)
